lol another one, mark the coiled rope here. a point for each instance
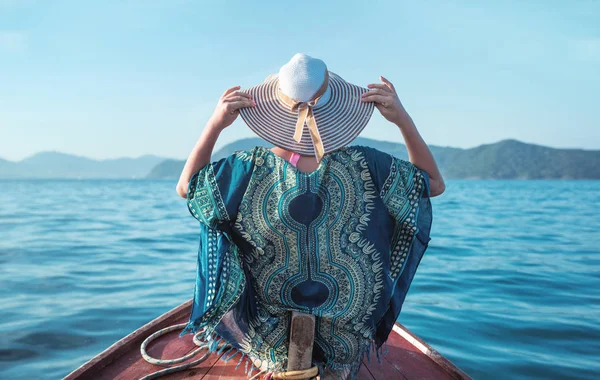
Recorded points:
(167, 362)
(289, 375)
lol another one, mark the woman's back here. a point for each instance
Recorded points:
(342, 242)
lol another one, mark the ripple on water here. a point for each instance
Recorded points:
(56, 340)
(16, 354)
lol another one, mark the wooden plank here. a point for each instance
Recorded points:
(383, 370)
(302, 337)
(364, 374)
(226, 371)
(197, 372)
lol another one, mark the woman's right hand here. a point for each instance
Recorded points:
(386, 100)
(228, 108)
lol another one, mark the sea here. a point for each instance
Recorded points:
(509, 287)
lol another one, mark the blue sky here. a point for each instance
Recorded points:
(125, 78)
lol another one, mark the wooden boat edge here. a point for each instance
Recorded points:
(134, 340)
(433, 354)
(128, 342)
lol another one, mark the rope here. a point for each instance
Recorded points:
(166, 362)
(297, 375)
(290, 375)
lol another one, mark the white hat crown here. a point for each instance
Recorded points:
(293, 112)
(302, 77)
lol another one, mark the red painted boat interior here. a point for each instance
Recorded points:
(124, 361)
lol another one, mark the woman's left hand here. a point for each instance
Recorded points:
(228, 108)
(386, 100)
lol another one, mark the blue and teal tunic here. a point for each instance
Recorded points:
(342, 242)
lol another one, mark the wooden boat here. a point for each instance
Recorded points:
(408, 357)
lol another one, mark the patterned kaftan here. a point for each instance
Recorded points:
(342, 243)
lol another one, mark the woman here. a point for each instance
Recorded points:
(311, 225)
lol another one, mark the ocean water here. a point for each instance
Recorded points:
(508, 288)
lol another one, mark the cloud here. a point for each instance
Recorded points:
(587, 50)
(13, 41)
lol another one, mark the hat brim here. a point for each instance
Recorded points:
(340, 119)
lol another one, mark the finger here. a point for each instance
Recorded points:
(229, 90)
(239, 93)
(231, 99)
(237, 105)
(383, 87)
(376, 98)
(384, 80)
(381, 108)
(376, 91)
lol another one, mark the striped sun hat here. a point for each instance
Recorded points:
(307, 109)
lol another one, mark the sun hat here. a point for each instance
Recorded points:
(307, 109)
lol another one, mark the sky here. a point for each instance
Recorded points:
(107, 79)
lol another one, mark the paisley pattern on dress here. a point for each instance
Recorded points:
(332, 243)
(401, 192)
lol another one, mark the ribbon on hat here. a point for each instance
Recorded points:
(306, 117)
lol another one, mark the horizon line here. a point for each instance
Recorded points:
(256, 137)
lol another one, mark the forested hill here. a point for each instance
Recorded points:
(506, 159)
(67, 166)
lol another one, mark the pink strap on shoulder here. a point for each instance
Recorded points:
(294, 158)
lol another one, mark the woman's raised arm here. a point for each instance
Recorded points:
(387, 102)
(226, 112)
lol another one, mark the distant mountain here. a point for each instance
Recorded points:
(61, 165)
(512, 159)
(167, 169)
(506, 159)
(172, 168)
(7, 168)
